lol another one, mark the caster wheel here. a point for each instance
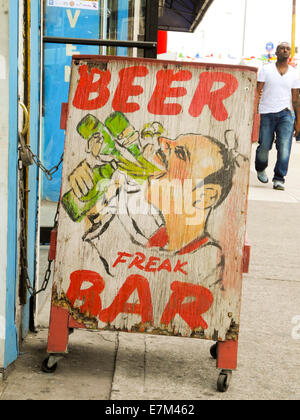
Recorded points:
(213, 351)
(46, 368)
(224, 380)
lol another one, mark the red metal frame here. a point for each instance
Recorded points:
(58, 335)
(227, 354)
(61, 322)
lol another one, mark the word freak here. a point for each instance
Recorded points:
(153, 264)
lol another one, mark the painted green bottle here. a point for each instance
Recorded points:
(126, 136)
(116, 129)
(90, 126)
(77, 208)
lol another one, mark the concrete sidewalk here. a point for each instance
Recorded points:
(120, 366)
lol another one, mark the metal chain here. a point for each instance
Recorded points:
(27, 155)
(48, 271)
(22, 215)
(39, 164)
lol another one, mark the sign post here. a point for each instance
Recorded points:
(269, 47)
(293, 43)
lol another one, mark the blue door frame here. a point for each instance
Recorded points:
(11, 339)
(11, 335)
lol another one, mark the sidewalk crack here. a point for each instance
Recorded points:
(117, 343)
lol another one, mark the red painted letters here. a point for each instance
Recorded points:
(190, 312)
(213, 99)
(126, 88)
(121, 258)
(205, 94)
(151, 265)
(138, 260)
(163, 90)
(120, 305)
(90, 296)
(92, 306)
(87, 85)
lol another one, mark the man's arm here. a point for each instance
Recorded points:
(296, 106)
(259, 89)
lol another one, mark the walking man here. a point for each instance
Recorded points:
(278, 89)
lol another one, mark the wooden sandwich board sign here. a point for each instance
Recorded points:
(153, 202)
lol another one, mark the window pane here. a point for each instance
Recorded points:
(125, 21)
(61, 19)
(74, 19)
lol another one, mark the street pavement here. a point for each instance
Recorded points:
(117, 366)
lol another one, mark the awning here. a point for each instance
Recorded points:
(182, 15)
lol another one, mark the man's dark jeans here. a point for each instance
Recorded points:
(282, 124)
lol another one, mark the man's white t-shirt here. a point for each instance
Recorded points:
(277, 94)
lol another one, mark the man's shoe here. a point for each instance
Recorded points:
(262, 177)
(278, 185)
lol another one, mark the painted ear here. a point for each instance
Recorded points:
(208, 197)
(231, 139)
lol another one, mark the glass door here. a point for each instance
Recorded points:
(113, 27)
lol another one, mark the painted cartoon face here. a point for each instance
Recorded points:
(190, 156)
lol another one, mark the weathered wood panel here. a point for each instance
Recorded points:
(154, 196)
